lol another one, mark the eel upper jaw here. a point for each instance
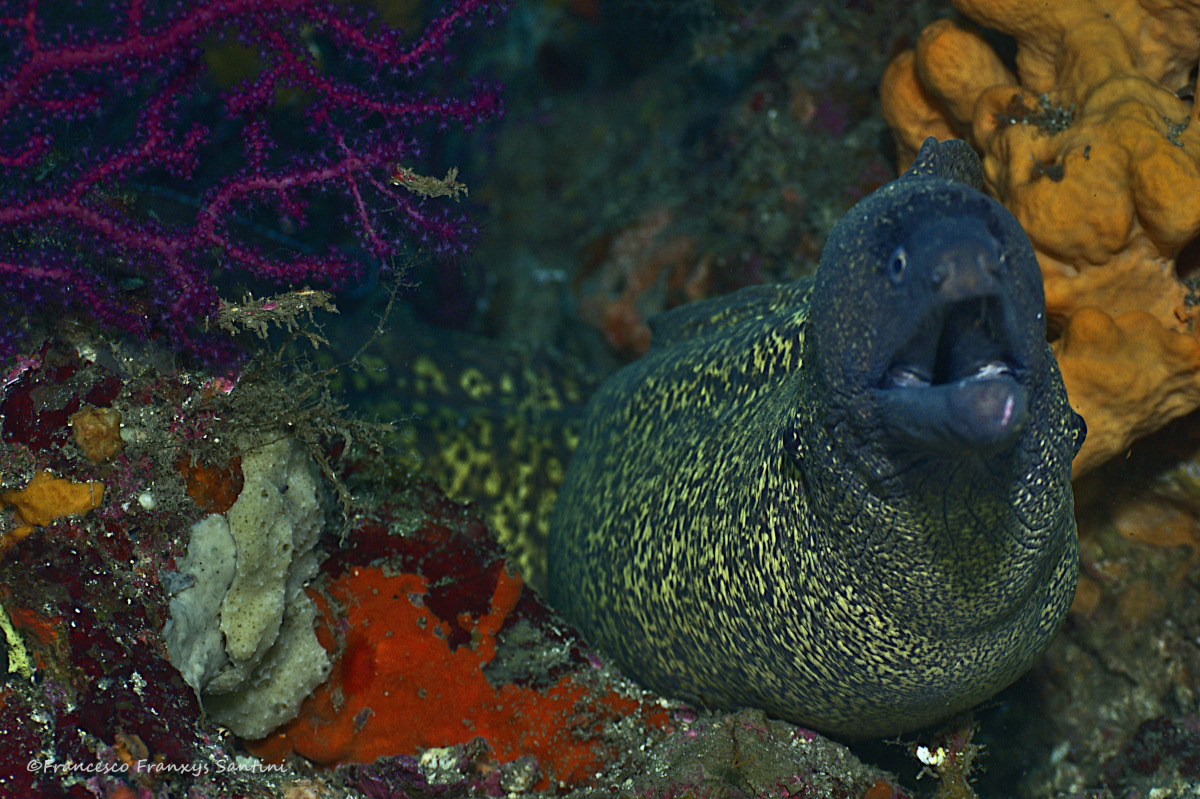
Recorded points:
(957, 383)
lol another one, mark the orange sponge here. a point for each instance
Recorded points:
(397, 665)
(97, 431)
(45, 499)
(1130, 371)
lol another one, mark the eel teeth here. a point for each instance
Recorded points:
(909, 376)
(992, 369)
(901, 376)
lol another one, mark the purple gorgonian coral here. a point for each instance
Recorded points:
(129, 179)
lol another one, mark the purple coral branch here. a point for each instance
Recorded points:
(71, 239)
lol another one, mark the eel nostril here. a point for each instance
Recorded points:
(940, 273)
(988, 264)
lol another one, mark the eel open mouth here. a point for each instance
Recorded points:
(967, 339)
(957, 382)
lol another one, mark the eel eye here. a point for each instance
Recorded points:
(897, 265)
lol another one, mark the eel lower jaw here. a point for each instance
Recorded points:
(956, 386)
(980, 413)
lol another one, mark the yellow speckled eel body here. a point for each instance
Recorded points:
(845, 501)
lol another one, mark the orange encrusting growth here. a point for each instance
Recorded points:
(97, 432)
(214, 490)
(398, 687)
(42, 634)
(45, 499)
(647, 267)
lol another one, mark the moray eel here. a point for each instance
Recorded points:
(846, 500)
(492, 422)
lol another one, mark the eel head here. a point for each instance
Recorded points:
(953, 358)
(927, 322)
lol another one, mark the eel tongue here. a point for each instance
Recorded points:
(985, 411)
